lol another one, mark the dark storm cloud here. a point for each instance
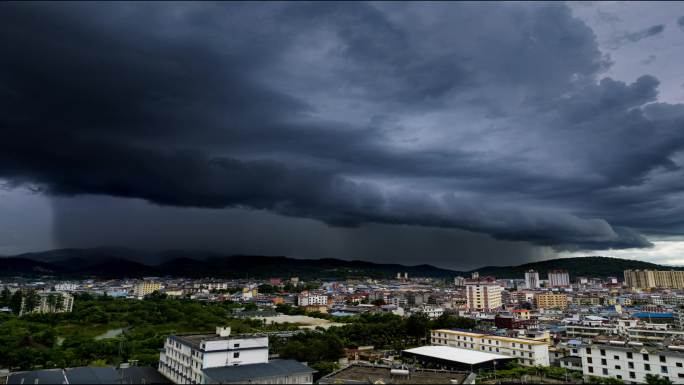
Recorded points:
(634, 37)
(490, 119)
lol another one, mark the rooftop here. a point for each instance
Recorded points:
(359, 374)
(489, 336)
(251, 372)
(194, 340)
(449, 353)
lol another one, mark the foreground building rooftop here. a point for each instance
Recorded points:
(362, 374)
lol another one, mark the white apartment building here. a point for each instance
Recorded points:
(483, 296)
(210, 286)
(559, 278)
(310, 299)
(532, 279)
(66, 286)
(226, 358)
(528, 352)
(632, 361)
(431, 312)
(185, 356)
(50, 302)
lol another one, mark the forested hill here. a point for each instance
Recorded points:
(576, 267)
(115, 263)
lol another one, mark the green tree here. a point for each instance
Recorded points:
(52, 301)
(418, 326)
(31, 300)
(656, 379)
(446, 321)
(604, 380)
(5, 297)
(15, 301)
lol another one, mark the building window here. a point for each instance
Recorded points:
(645, 357)
(589, 360)
(588, 350)
(617, 367)
(631, 365)
(679, 364)
(663, 369)
(605, 371)
(647, 367)
(603, 361)
(236, 355)
(616, 357)
(629, 354)
(603, 352)
(632, 375)
(591, 369)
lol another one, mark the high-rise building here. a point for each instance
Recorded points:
(49, 302)
(559, 278)
(146, 287)
(483, 295)
(459, 281)
(532, 279)
(648, 279)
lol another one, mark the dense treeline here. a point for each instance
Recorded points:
(69, 339)
(382, 331)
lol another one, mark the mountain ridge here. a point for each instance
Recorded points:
(120, 262)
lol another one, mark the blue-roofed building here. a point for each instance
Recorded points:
(652, 317)
(91, 375)
(272, 372)
(47, 376)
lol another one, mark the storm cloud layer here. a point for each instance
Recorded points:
(492, 119)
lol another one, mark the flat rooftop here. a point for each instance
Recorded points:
(449, 353)
(194, 340)
(359, 374)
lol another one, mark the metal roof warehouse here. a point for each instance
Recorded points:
(448, 357)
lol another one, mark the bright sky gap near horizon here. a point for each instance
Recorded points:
(459, 135)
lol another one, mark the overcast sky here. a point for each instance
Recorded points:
(456, 134)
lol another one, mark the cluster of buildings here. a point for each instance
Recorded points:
(601, 327)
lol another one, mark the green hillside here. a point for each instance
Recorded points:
(576, 267)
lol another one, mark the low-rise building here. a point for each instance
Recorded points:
(528, 352)
(306, 298)
(551, 301)
(632, 361)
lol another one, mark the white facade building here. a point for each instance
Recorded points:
(210, 358)
(559, 278)
(532, 279)
(310, 299)
(528, 352)
(186, 356)
(632, 361)
(483, 296)
(66, 286)
(50, 302)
